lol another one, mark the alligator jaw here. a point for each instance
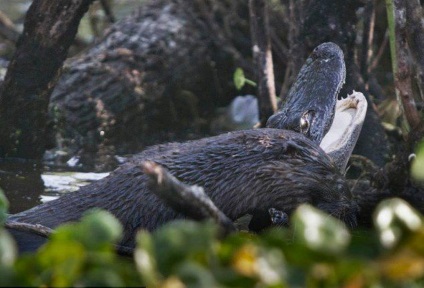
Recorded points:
(343, 134)
(314, 92)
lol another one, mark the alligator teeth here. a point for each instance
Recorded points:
(340, 140)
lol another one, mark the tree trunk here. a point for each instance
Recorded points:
(49, 29)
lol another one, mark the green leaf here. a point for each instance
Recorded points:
(98, 229)
(101, 227)
(7, 249)
(417, 167)
(101, 277)
(4, 205)
(145, 259)
(181, 240)
(395, 219)
(80, 254)
(194, 275)
(319, 231)
(239, 79)
(271, 266)
(58, 263)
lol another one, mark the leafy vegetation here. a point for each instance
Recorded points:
(417, 169)
(240, 79)
(317, 251)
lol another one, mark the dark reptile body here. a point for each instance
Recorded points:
(240, 171)
(316, 90)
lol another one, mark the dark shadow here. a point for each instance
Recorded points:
(21, 183)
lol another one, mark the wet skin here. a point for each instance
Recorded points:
(310, 104)
(240, 171)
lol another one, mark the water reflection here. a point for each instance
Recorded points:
(58, 183)
(25, 186)
(22, 184)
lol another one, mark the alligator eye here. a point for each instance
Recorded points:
(304, 123)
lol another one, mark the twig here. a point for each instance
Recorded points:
(8, 29)
(380, 52)
(37, 229)
(400, 60)
(288, 75)
(278, 47)
(188, 200)
(296, 50)
(44, 231)
(367, 37)
(262, 55)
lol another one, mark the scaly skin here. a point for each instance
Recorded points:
(314, 92)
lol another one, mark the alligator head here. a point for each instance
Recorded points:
(309, 107)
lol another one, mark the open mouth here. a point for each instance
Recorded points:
(343, 134)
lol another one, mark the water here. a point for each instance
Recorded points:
(26, 185)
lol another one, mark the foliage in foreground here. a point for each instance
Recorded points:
(317, 251)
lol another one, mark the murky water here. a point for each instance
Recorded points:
(25, 184)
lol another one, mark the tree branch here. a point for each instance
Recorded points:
(37, 229)
(367, 38)
(7, 29)
(396, 12)
(188, 200)
(259, 29)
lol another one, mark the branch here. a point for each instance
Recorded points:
(188, 200)
(261, 46)
(400, 60)
(37, 229)
(44, 231)
(7, 29)
(367, 38)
